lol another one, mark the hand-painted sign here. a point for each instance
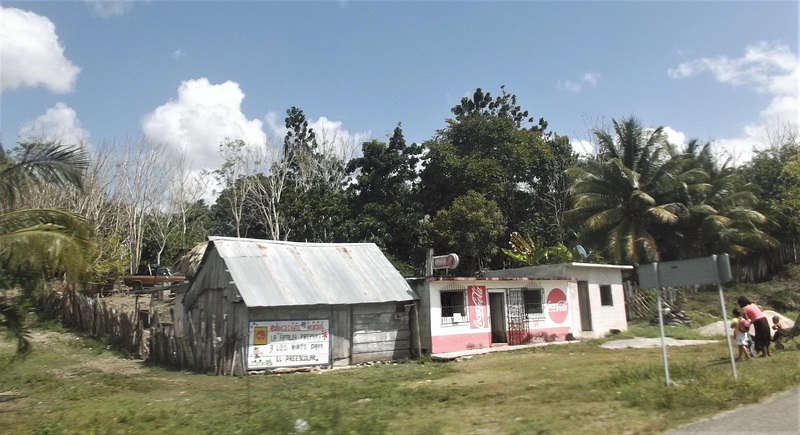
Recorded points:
(557, 305)
(288, 343)
(477, 306)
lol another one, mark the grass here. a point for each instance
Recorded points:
(73, 385)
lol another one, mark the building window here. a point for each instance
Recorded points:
(453, 307)
(605, 295)
(534, 302)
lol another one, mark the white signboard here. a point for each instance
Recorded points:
(288, 343)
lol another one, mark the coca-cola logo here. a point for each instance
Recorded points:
(479, 302)
(557, 306)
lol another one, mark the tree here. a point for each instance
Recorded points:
(235, 176)
(723, 214)
(299, 148)
(786, 204)
(504, 106)
(30, 237)
(381, 199)
(488, 149)
(268, 188)
(33, 238)
(554, 186)
(12, 324)
(140, 189)
(312, 203)
(470, 227)
(617, 195)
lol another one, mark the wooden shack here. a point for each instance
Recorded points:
(271, 304)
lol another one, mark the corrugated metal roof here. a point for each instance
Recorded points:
(271, 273)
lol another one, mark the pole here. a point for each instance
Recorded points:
(727, 334)
(661, 324)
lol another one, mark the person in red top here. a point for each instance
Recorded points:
(760, 325)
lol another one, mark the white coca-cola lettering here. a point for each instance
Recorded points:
(478, 302)
(557, 305)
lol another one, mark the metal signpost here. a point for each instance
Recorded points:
(715, 269)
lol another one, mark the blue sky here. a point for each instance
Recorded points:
(189, 74)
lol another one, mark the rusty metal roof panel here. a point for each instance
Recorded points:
(271, 273)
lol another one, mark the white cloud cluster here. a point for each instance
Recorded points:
(588, 78)
(110, 8)
(769, 68)
(31, 54)
(59, 123)
(203, 116)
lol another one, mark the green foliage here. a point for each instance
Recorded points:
(37, 243)
(642, 201)
(786, 205)
(36, 238)
(36, 163)
(12, 325)
(381, 199)
(470, 227)
(110, 262)
(525, 251)
(487, 149)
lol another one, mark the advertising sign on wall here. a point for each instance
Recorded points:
(557, 305)
(477, 306)
(288, 343)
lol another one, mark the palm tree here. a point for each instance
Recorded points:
(33, 238)
(723, 209)
(617, 196)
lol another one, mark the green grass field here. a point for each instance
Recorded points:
(74, 385)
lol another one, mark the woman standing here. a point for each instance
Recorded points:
(760, 325)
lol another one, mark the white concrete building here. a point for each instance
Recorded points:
(519, 306)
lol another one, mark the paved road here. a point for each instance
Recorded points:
(778, 415)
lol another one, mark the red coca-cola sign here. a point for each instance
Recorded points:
(557, 306)
(477, 306)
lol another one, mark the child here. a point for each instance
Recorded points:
(776, 325)
(740, 327)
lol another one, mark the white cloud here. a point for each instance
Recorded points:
(110, 8)
(31, 54)
(769, 68)
(203, 116)
(177, 54)
(588, 78)
(58, 123)
(675, 137)
(584, 147)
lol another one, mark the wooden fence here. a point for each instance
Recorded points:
(197, 349)
(94, 317)
(142, 335)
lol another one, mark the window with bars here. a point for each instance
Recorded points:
(454, 309)
(534, 302)
(605, 295)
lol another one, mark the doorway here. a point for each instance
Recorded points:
(497, 312)
(585, 305)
